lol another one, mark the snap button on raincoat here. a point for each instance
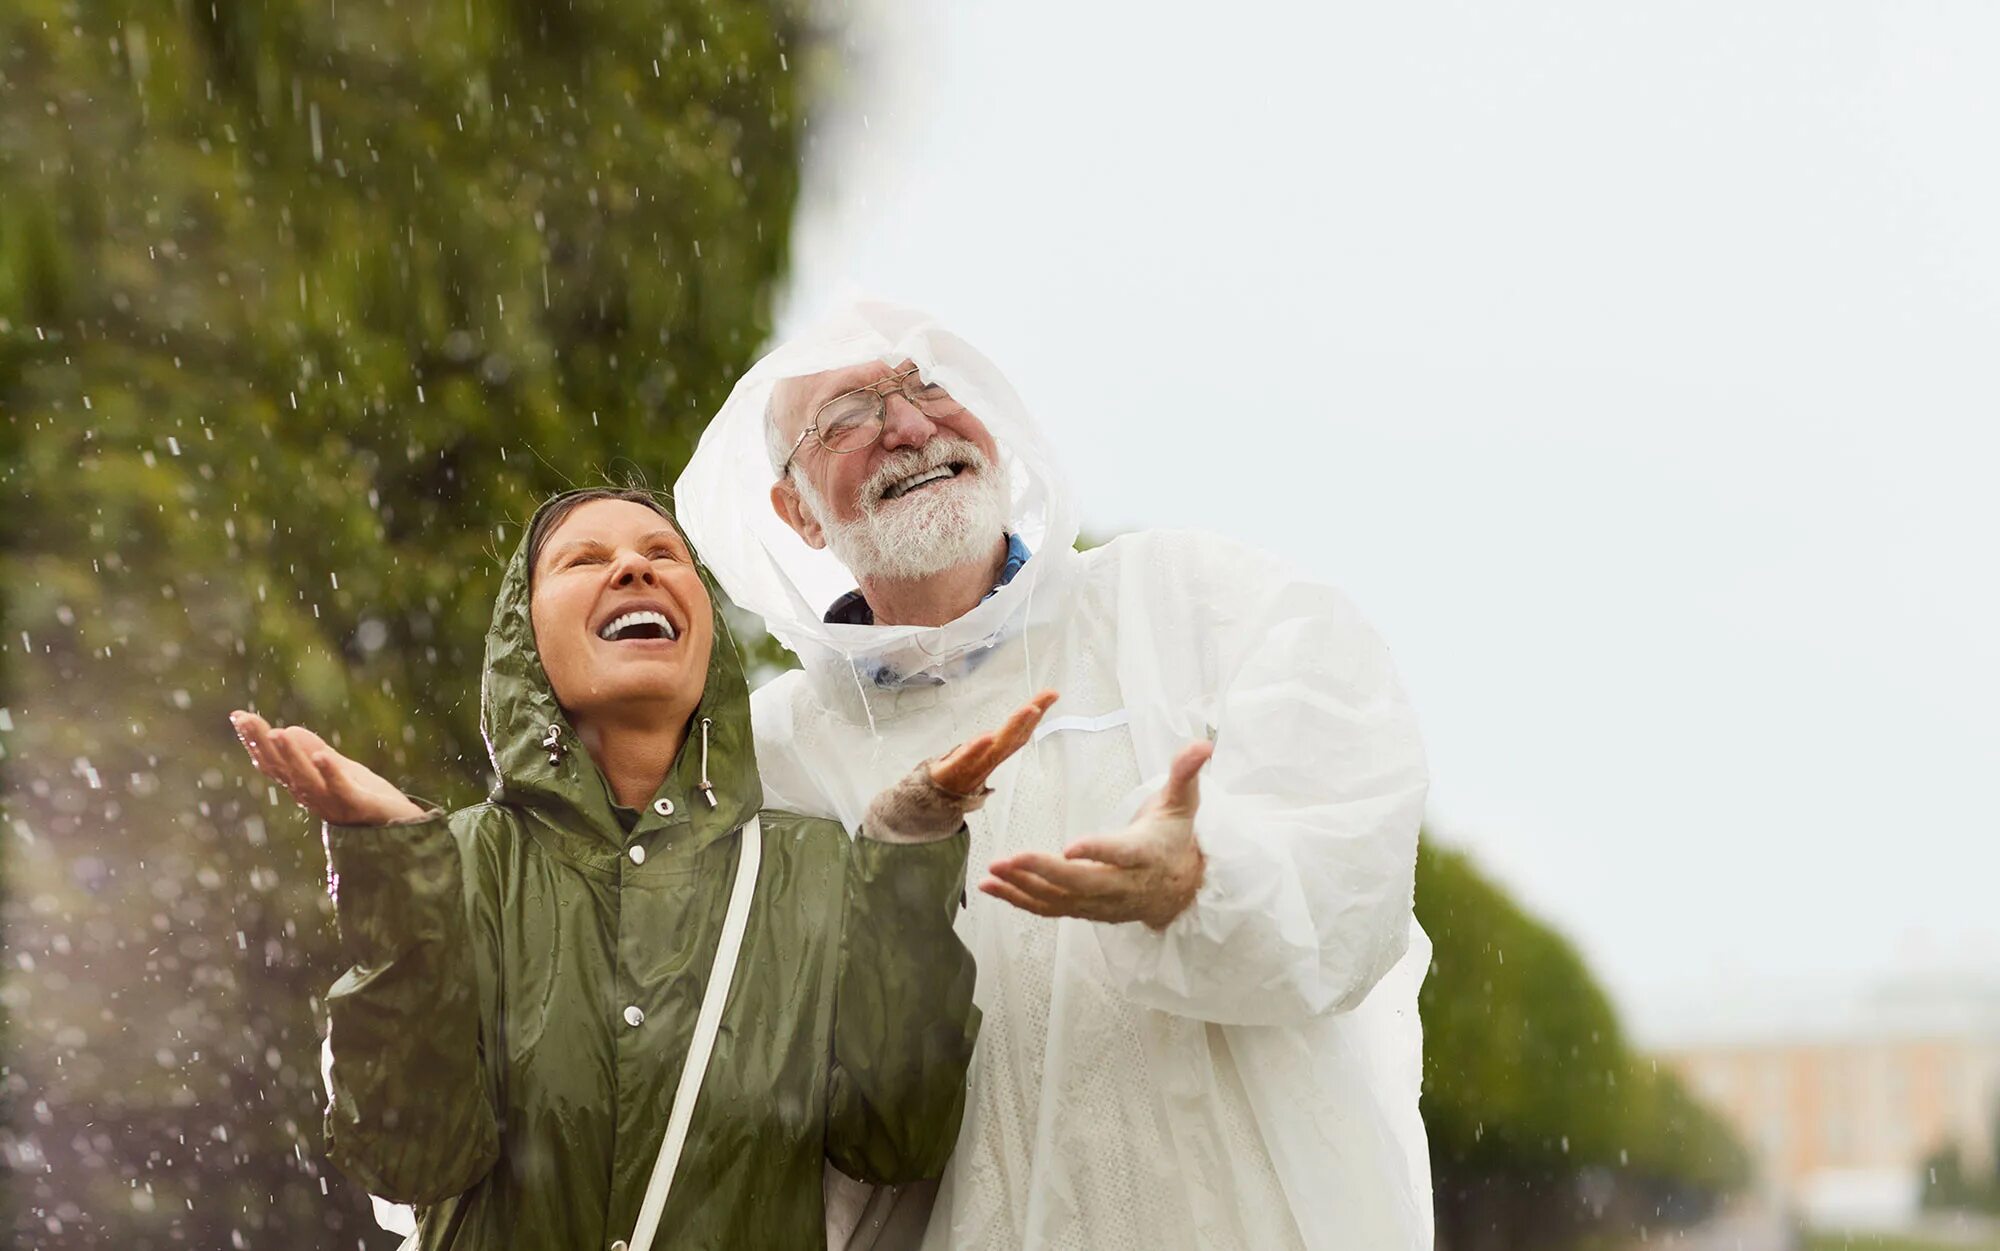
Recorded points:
(1247, 1078)
(526, 974)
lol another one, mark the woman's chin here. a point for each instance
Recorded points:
(640, 681)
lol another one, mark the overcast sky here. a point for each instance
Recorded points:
(1635, 367)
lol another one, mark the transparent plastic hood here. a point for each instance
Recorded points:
(723, 501)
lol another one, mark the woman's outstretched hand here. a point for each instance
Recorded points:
(931, 801)
(965, 768)
(324, 782)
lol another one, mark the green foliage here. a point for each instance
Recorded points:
(1528, 1076)
(1895, 1242)
(1947, 1184)
(301, 308)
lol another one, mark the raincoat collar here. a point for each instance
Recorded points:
(542, 767)
(853, 609)
(723, 498)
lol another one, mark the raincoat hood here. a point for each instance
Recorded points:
(768, 569)
(541, 764)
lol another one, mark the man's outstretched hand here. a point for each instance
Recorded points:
(1149, 871)
(324, 782)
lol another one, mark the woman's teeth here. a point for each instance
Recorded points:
(639, 625)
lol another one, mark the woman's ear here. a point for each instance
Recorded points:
(791, 509)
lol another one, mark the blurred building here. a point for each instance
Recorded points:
(1842, 1100)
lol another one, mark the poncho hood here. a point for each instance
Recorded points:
(724, 497)
(562, 784)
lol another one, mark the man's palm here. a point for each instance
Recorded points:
(1149, 871)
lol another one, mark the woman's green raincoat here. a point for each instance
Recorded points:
(525, 977)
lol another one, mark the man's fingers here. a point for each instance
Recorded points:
(1068, 877)
(1105, 849)
(1182, 791)
(1033, 884)
(1007, 893)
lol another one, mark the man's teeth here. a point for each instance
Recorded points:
(916, 480)
(632, 621)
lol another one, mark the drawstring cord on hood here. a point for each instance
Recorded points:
(707, 788)
(553, 742)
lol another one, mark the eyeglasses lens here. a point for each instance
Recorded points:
(851, 422)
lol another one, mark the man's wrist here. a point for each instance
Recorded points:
(1182, 885)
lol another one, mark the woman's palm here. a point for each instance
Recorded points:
(324, 782)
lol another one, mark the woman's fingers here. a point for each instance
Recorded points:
(961, 769)
(325, 765)
(333, 781)
(255, 735)
(300, 775)
(1021, 726)
(965, 768)
(322, 780)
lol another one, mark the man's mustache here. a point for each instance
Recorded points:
(938, 452)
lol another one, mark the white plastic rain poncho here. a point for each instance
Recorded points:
(1247, 1078)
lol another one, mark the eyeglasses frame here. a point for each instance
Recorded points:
(812, 427)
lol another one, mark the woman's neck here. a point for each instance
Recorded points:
(635, 758)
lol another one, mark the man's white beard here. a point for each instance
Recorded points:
(926, 532)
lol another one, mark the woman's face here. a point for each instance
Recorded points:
(622, 621)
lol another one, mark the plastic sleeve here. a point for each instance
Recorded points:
(1308, 816)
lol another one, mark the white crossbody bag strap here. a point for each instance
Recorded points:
(750, 856)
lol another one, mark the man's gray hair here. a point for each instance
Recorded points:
(775, 444)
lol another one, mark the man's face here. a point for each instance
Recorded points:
(622, 620)
(930, 493)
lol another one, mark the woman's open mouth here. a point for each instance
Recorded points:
(636, 626)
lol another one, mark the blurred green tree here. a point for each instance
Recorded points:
(301, 308)
(1545, 1125)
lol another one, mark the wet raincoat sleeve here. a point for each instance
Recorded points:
(904, 1022)
(410, 1116)
(1309, 810)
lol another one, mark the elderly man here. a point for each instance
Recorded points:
(1199, 975)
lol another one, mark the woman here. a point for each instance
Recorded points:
(527, 973)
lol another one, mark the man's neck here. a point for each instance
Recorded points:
(634, 758)
(939, 598)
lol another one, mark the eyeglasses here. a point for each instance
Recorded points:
(853, 420)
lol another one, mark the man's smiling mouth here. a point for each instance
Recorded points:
(919, 480)
(644, 624)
